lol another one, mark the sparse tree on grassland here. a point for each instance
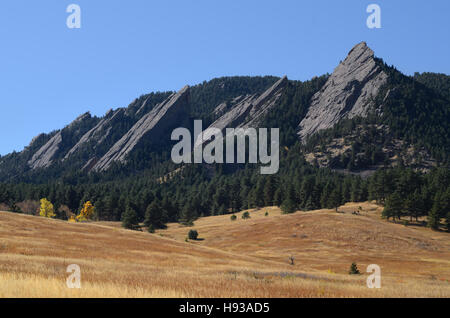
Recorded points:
(193, 235)
(354, 269)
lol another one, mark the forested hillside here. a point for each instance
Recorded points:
(393, 147)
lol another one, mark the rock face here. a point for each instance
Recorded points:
(99, 133)
(246, 111)
(154, 124)
(347, 93)
(44, 156)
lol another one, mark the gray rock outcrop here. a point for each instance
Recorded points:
(348, 92)
(246, 111)
(99, 133)
(44, 156)
(153, 124)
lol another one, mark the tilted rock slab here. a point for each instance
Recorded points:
(44, 157)
(347, 93)
(248, 112)
(152, 124)
(99, 133)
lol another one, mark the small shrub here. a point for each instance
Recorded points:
(193, 235)
(246, 215)
(266, 214)
(354, 269)
(233, 217)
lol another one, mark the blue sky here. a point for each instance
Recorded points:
(50, 74)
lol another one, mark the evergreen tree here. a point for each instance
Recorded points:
(335, 198)
(130, 219)
(278, 197)
(155, 216)
(289, 204)
(269, 191)
(193, 235)
(354, 269)
(188, 215)
(393, 207)
(434, 217)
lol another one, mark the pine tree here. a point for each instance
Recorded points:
(393, 207)
(155, 216)
(188, 215)
(354, 269)
(289, 204)
(335, 198)
(269, 191)
(130, 219)
(434, 217)
(193, 235)
(278, 198)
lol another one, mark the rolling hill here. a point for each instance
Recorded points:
(242, 258)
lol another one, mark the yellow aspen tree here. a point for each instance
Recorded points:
(87, 212)
(72, 219)
(46, 209)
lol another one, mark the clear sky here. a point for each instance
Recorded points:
(50, 74)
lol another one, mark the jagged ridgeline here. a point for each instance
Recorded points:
(363, 117)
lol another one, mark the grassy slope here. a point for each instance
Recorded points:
(242, 258)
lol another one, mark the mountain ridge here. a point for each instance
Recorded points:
(356, 88)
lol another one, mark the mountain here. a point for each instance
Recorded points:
(360, 86)
(339, 134)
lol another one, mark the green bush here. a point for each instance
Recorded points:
(354, 269)
(233, 217)
(246, 215)
(193, 235)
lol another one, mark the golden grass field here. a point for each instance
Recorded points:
(242, 258)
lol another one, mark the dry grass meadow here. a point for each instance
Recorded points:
(242, 258)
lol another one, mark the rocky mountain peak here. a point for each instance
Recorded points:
(348, 92)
